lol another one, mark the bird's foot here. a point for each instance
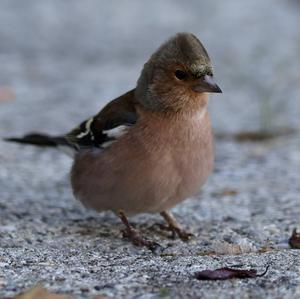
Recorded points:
(134, 236)
(138, 240)
(176, 232)
(174, 227)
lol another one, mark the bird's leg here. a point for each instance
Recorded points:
(132, 234)
(174, 227)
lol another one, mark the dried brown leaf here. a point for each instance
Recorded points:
(6, 94)
(294, 240)
(256, 136)
(228, 273)
(223, 247)
(226, 192)
(264, 249)
(39, 292)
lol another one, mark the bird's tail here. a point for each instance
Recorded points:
(38, 139)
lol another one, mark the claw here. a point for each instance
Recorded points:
(174, 227)
(133, 235)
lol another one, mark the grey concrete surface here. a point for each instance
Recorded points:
(62, 61)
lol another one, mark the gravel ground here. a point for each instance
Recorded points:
(61, 63)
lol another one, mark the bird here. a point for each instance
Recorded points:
(152, 147)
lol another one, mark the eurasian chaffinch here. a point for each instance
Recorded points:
(150, 148)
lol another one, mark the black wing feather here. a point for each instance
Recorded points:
(91, 132)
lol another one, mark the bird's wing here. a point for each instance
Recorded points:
(106, 126)
(96, 132)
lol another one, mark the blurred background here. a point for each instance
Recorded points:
(61, 60)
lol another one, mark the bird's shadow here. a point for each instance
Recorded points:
(107, 225)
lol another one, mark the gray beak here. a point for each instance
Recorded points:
(206, 84)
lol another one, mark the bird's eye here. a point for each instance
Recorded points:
(180, 75)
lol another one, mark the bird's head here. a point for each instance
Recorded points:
(180, 70)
